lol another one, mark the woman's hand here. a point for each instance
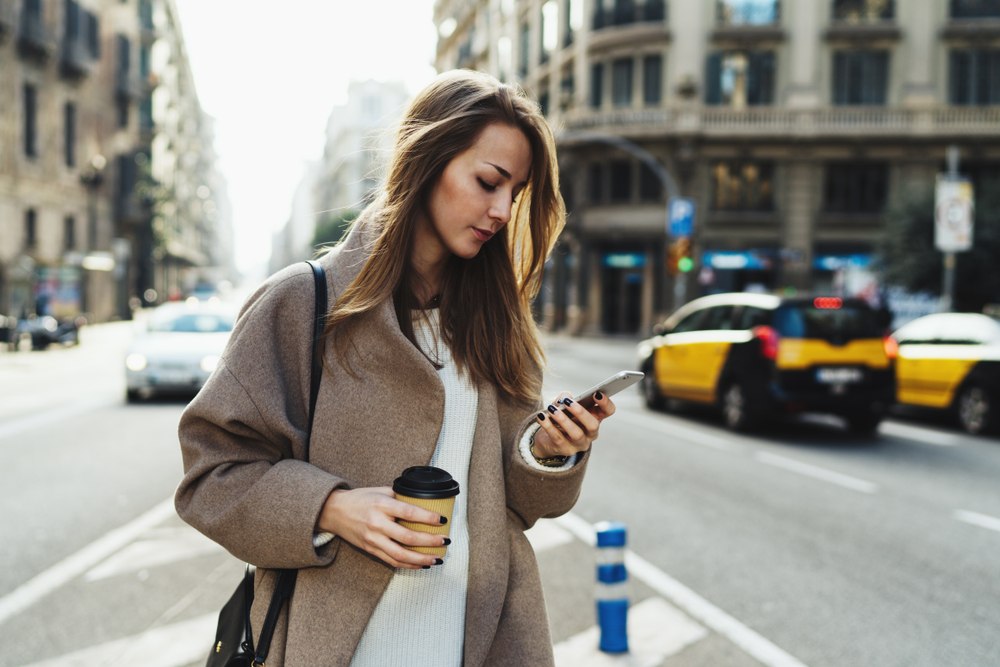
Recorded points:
(567, 427)
(367, 519)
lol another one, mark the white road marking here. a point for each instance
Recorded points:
(977, 519)
(922, 434)
(164, 545)
(44, 583)
(48, 416)
(656, 631)
(758, 647)
(816, 472)
(166, 646)
(546, 534)
(673, 429)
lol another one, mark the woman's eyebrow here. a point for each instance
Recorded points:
(503, 172)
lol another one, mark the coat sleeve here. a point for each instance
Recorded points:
(246, 485)
(534, 494)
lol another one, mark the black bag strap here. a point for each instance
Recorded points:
(286, 578)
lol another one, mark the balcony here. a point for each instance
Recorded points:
(75, 60)
(782, 124)
(33, 40)
(971, 29)
(629, 34)
(127, 86)
(863, 32)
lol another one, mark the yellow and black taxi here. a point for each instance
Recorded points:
(759, 355)
(951, 361)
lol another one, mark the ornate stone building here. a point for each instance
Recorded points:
(791, 126)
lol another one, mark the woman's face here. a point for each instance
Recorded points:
(473, 198)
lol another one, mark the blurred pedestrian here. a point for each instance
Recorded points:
(432, 357)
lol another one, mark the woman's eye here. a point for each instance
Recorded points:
(489, 187)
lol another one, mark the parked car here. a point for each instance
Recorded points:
(177, 348)
(951, 362)
(46, 330)
(758, 355)
(8, 331)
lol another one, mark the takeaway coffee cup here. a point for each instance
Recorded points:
(430, 488)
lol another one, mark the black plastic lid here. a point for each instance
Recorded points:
(425, 482)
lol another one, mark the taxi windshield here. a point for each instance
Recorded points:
(804, 320)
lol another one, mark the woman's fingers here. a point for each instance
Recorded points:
(567, 427)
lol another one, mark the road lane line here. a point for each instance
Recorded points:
(816, 472)
(166, 646)
(921, 434)
(49, 416)
(76, 564)
(672, 429)
(755, 645)
(977, 519)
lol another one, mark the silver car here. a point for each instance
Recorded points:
(177, 348)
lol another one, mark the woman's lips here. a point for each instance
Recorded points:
(483, 235)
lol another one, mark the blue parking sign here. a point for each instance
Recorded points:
(681, 217)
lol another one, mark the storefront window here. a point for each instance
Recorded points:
(742, 186)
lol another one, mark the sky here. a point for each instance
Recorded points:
(271, 73)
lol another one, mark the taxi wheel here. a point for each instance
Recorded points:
(650, 392)
(738, 411)
(864, 423)
(974, 409)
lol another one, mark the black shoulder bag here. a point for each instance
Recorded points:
(233, 636)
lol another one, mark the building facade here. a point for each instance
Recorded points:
(790, 126)
(85, 172)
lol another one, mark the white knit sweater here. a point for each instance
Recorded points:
(420, 619)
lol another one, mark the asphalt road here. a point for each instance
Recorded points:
(805, 546)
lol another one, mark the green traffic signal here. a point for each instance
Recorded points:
(685, 264)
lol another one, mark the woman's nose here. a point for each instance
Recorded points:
(500, 210)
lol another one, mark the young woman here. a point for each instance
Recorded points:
(431, 357)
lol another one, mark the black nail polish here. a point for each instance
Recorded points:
(541, 416)
(438, 561)
(552, 409)
(446, 542)
(425, 567)
(598, 396)
(567, 401)
(444, 519)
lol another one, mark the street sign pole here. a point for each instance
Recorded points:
(680, 225)
(953, 205)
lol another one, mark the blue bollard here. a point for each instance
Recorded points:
(612, 587)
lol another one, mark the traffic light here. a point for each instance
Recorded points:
(679, 258)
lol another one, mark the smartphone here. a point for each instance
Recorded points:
(609, 386)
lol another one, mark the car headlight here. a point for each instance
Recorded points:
(135, 361)
(209, 363)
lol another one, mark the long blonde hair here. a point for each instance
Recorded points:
(485, 301)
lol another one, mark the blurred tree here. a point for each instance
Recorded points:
(910, 260)
(333, 227)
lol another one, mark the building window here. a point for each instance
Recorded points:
(863, 11)
(860, 77)
(123, 74)
(30, 228)
(621, 181)
(652, 80)
(742, 186)
(748, 12)
(654, 10)
(93, 26)
(975, 9)
(650, 188)
(543, 103)
(69, 133)
(69, 233)
(30, 120)
(974, 77)
(595, 183)
(621, 82)
(853, 187)
(740, 78)
(596, 85)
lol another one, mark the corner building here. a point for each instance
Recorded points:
(791, 126)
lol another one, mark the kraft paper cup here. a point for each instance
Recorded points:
(432, 489)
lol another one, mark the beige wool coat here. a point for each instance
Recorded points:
(246, 486)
